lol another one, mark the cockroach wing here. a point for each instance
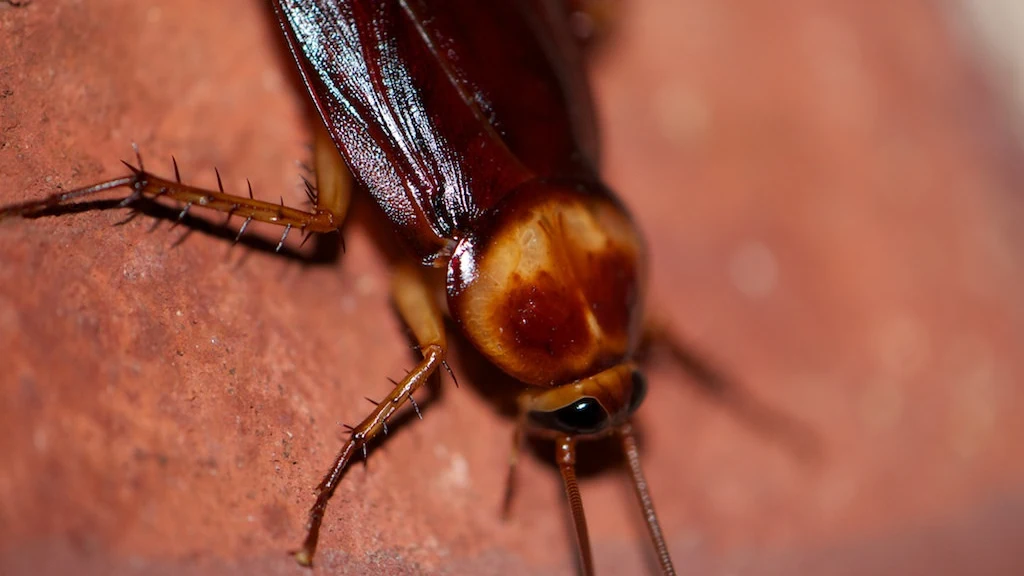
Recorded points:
(442, 108)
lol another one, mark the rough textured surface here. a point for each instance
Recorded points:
(833, 207)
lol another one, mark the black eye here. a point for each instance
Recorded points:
(639, 391)
(584, 416)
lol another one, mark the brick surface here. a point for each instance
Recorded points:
(832, 202)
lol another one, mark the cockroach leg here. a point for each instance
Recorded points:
(565, 457)
(518, 435)
(333, 189)
(358, 442)
(790, 432)
(415, 304)
(644, 496)
(326, 215)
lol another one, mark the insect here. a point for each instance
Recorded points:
(471, 126)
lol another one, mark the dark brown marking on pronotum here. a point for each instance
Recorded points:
(470, 124)
(532, 286)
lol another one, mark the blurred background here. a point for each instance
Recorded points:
(995, 29)
(832, 194)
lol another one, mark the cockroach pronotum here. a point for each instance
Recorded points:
(470, 124)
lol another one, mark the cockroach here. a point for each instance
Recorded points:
(471, 125)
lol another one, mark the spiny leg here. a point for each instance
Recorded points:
(644, 496)
(414, 302)
(330, 199)
(565, 457)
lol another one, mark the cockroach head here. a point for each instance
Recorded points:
(588, 407)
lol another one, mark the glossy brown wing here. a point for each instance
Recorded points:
(442, 108)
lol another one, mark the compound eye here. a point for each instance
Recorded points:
(584, 416)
